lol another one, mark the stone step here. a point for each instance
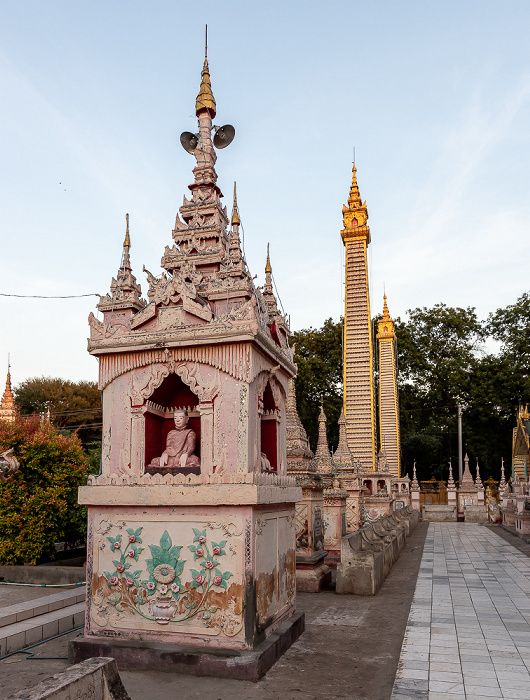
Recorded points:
(31, 630)
(47, 603)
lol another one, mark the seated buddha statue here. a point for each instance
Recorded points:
(179, 455)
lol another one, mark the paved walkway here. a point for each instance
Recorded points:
(468, 632)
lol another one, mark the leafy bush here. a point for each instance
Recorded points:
(38, 505)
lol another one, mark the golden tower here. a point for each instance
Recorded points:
(8, 409)
(388, 393)
(358, 355)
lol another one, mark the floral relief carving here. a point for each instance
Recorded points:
(159, 589)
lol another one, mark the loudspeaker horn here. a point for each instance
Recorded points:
(224, 135)
(189, 141)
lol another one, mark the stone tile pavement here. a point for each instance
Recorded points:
(468, 631)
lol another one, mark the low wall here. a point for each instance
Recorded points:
(439, 513)
(476, 514)
(97, 679)
(368, 554)
(43, 574)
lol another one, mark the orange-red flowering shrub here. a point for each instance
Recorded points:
(38, 505)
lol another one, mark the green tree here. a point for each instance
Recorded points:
(38, 505)
(318, 354)
(74, 406)
(438, 350)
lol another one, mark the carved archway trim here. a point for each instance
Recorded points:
(191, 376)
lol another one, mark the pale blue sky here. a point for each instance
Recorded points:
(434, 96)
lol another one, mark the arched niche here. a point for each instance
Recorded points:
(368, 485)
(172, 393)
(269, 420)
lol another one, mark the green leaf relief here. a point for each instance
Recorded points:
(165, 541)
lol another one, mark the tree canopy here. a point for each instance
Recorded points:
(38, 505)
(442, 361)
(73, 406)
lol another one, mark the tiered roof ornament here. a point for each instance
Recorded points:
(467, 479)
(478, 480)
(502, 482)
(205, 290)
(322, 454)
(298, 451)
(342, 455)
(414, 485)
(451, 486)
(125, 292)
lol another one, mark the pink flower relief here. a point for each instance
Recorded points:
(217, 580)
(131, 553)
(117, 545)
(114, 580)
(132, 538)
(217, 550)
(202, 539)
(174, 587)
(209, 564)
(150, 586)
(199, 579)
(130, 582)
(199, 552)
(120, 568)
(162, 588)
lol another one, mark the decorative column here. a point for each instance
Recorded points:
(467, 491)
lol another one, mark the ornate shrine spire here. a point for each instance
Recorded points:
(235, 212)
(125, 292)
(467, 479)
(8, 409)
(342, 455)
(268, 293)
(322, 454)
(414, 484)
(451, 486)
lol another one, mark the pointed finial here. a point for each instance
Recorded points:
(235, 214)
(268, 268)
(205, 100)
(127, 241)
(206, 42)
(386, 314)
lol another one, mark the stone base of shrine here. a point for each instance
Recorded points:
(332, 558)
(249, 665)
(312, 573)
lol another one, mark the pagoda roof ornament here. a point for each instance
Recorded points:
(235, 212)
(342, 455)
(8, 409)
(205, 99)
(355, 215)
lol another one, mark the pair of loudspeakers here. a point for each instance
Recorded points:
(223, 137)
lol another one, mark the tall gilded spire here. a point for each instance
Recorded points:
(235, 213)
(359, 396)
(205, 99)
(389, 435)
